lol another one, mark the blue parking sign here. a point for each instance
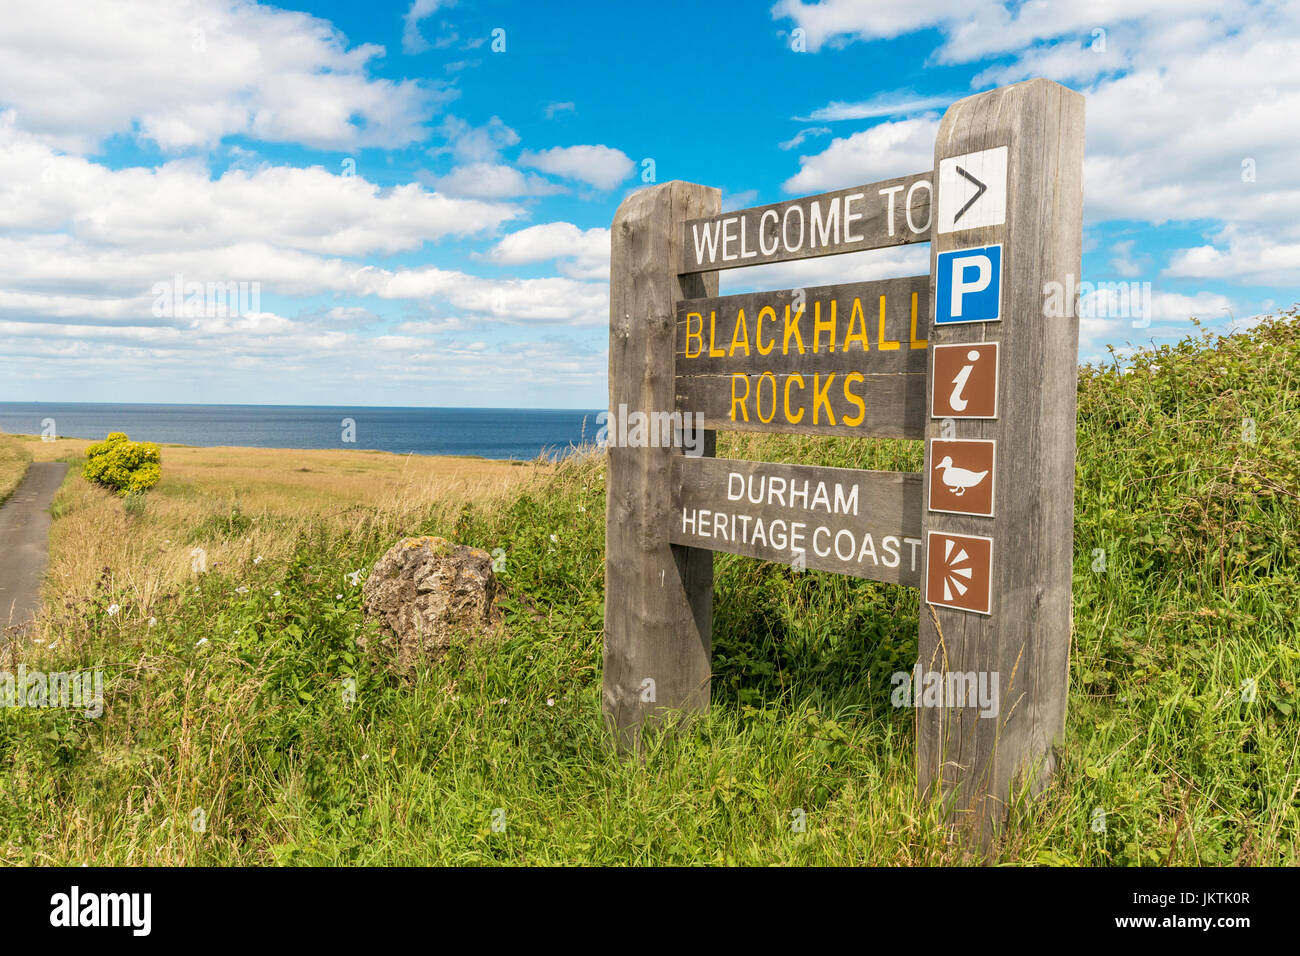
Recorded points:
(968, 286)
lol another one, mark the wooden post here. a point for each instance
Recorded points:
(658, 596)
(977, 761)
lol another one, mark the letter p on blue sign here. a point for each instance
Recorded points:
(968, 286)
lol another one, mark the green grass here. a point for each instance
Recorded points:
(233, 701)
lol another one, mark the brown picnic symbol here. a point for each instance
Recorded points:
(966, 359)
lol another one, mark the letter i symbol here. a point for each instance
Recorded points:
(956, 401)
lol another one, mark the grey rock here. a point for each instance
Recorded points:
(425, 590)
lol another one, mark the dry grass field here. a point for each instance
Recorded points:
(221, 505)
(14, 456)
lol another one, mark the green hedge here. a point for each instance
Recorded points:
(121, 464)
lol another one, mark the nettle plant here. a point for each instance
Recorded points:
(127, 467)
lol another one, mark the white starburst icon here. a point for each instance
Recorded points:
(955, 568)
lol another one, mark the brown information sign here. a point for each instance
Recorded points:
(965, 381)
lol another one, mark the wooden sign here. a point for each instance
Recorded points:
(990, 266)
(863, 523)
(966, 358)
(890, 213)
(831, 360)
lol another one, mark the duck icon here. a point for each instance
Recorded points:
(958, 479)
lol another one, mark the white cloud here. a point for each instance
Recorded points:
(798, 138)
(79, 241)
(186, 74)
(895, 103)
(412, 41)
(600, 166)
(841, 21)
(178, 206)
(909, 260)
(983, 28)
(1099, 325)
(494, 181)
(579, 254)
(882, 152)
(1123, 262)
(738, 200)
(475, 144)
(246, 360)
(1190, 110)
(1250, 258)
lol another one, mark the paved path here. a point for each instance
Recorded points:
(25, 542)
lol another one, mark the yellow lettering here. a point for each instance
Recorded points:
(714, 352)
(821, 398)
(742, 399)
(758, 396)
(852, 399)
(758, 330)
(790, 416)
(697, 335)
(792, 328)
(860, 317)
(819, 326)
(881, 343)
(737, 338)
(917, 343)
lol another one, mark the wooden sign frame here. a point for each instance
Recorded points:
(995, 581)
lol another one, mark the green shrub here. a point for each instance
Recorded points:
(128, 467)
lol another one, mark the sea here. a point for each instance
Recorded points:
(505, 433)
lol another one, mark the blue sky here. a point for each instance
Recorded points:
(426, 217)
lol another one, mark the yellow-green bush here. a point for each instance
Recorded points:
(121, 464)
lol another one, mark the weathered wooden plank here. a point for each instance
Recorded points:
(976, 761)
(869, 327)
(862, 523)
(875, 216)
(658, 597)
(816, 403)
